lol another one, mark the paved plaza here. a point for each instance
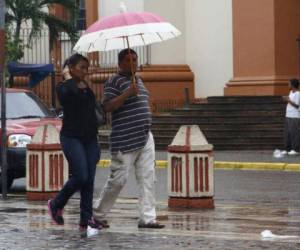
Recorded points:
(231, 225)
(247, 202)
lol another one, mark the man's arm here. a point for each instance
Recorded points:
(293, 104)
(118, 101)
(288, 100)
(296, 103)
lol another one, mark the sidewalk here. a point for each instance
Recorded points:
(254, 159)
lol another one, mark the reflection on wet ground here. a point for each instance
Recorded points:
(231, 225)
(247, 203)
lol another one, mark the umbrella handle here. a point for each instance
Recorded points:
(131, 63)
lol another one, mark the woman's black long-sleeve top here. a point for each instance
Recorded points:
(78, 105)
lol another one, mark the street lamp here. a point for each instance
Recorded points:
(3, 101)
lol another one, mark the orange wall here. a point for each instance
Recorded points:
(266, 53)
(91, 11)
(287, 30)
(164, 82)
(253, 38)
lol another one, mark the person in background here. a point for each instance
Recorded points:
(131, 141)
(292, 120)
(78, 137)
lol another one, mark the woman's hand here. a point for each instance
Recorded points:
(66, 73)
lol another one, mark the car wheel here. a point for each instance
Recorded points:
(9, 181)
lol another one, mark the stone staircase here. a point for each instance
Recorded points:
(229, 123)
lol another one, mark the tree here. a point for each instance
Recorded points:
(34, 11)
(13, 47)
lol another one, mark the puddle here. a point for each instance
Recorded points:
(13, 210)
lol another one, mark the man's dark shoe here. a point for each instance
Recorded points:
(103, 223)
(151, 225)
(93, 223)
(55, 213)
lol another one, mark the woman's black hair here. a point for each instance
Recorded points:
(74, 59)
(123, 53)
(294, 83)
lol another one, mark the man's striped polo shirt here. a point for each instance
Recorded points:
(131, 122)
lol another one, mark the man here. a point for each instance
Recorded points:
(131, 142)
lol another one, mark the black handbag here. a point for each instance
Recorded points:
(100, 114)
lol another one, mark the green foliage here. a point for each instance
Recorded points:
(35, 12)
(13, 48)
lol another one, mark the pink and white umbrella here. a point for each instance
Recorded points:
(125, 30)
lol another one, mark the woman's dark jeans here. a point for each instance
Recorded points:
(82, 157)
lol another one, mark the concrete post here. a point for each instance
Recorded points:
(190, 170)
(46, 167)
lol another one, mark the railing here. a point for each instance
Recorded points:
(104, 64)
(38, 51)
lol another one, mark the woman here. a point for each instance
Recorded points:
(78, 138)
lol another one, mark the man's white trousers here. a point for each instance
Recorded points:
(143, 161)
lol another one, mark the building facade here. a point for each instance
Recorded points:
(233, 47)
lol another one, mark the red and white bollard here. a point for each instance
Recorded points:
(46, 167)
(190, 170)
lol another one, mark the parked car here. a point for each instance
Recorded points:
(24, 112)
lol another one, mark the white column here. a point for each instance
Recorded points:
(209, 44)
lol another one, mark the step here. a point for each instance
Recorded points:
(222, 127)
(243, 99)
(163, 146)
(219, 135)
(219, 127)
(240, 106)
(225, 139)
(233, 138)
(187, 120)
(228, 133)
(220, 145)
(229, 123)
(221, 113)
(269, 139)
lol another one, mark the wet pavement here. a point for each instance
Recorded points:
(229, 226)
(246, 203)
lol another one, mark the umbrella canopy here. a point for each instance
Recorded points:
(124, 30)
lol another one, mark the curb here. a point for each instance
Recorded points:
(105, 163)
(257, 166)
(160, 164)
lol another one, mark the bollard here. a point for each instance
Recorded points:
(46, 167)
(190, 170)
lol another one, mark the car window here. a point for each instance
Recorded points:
(25, 105)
